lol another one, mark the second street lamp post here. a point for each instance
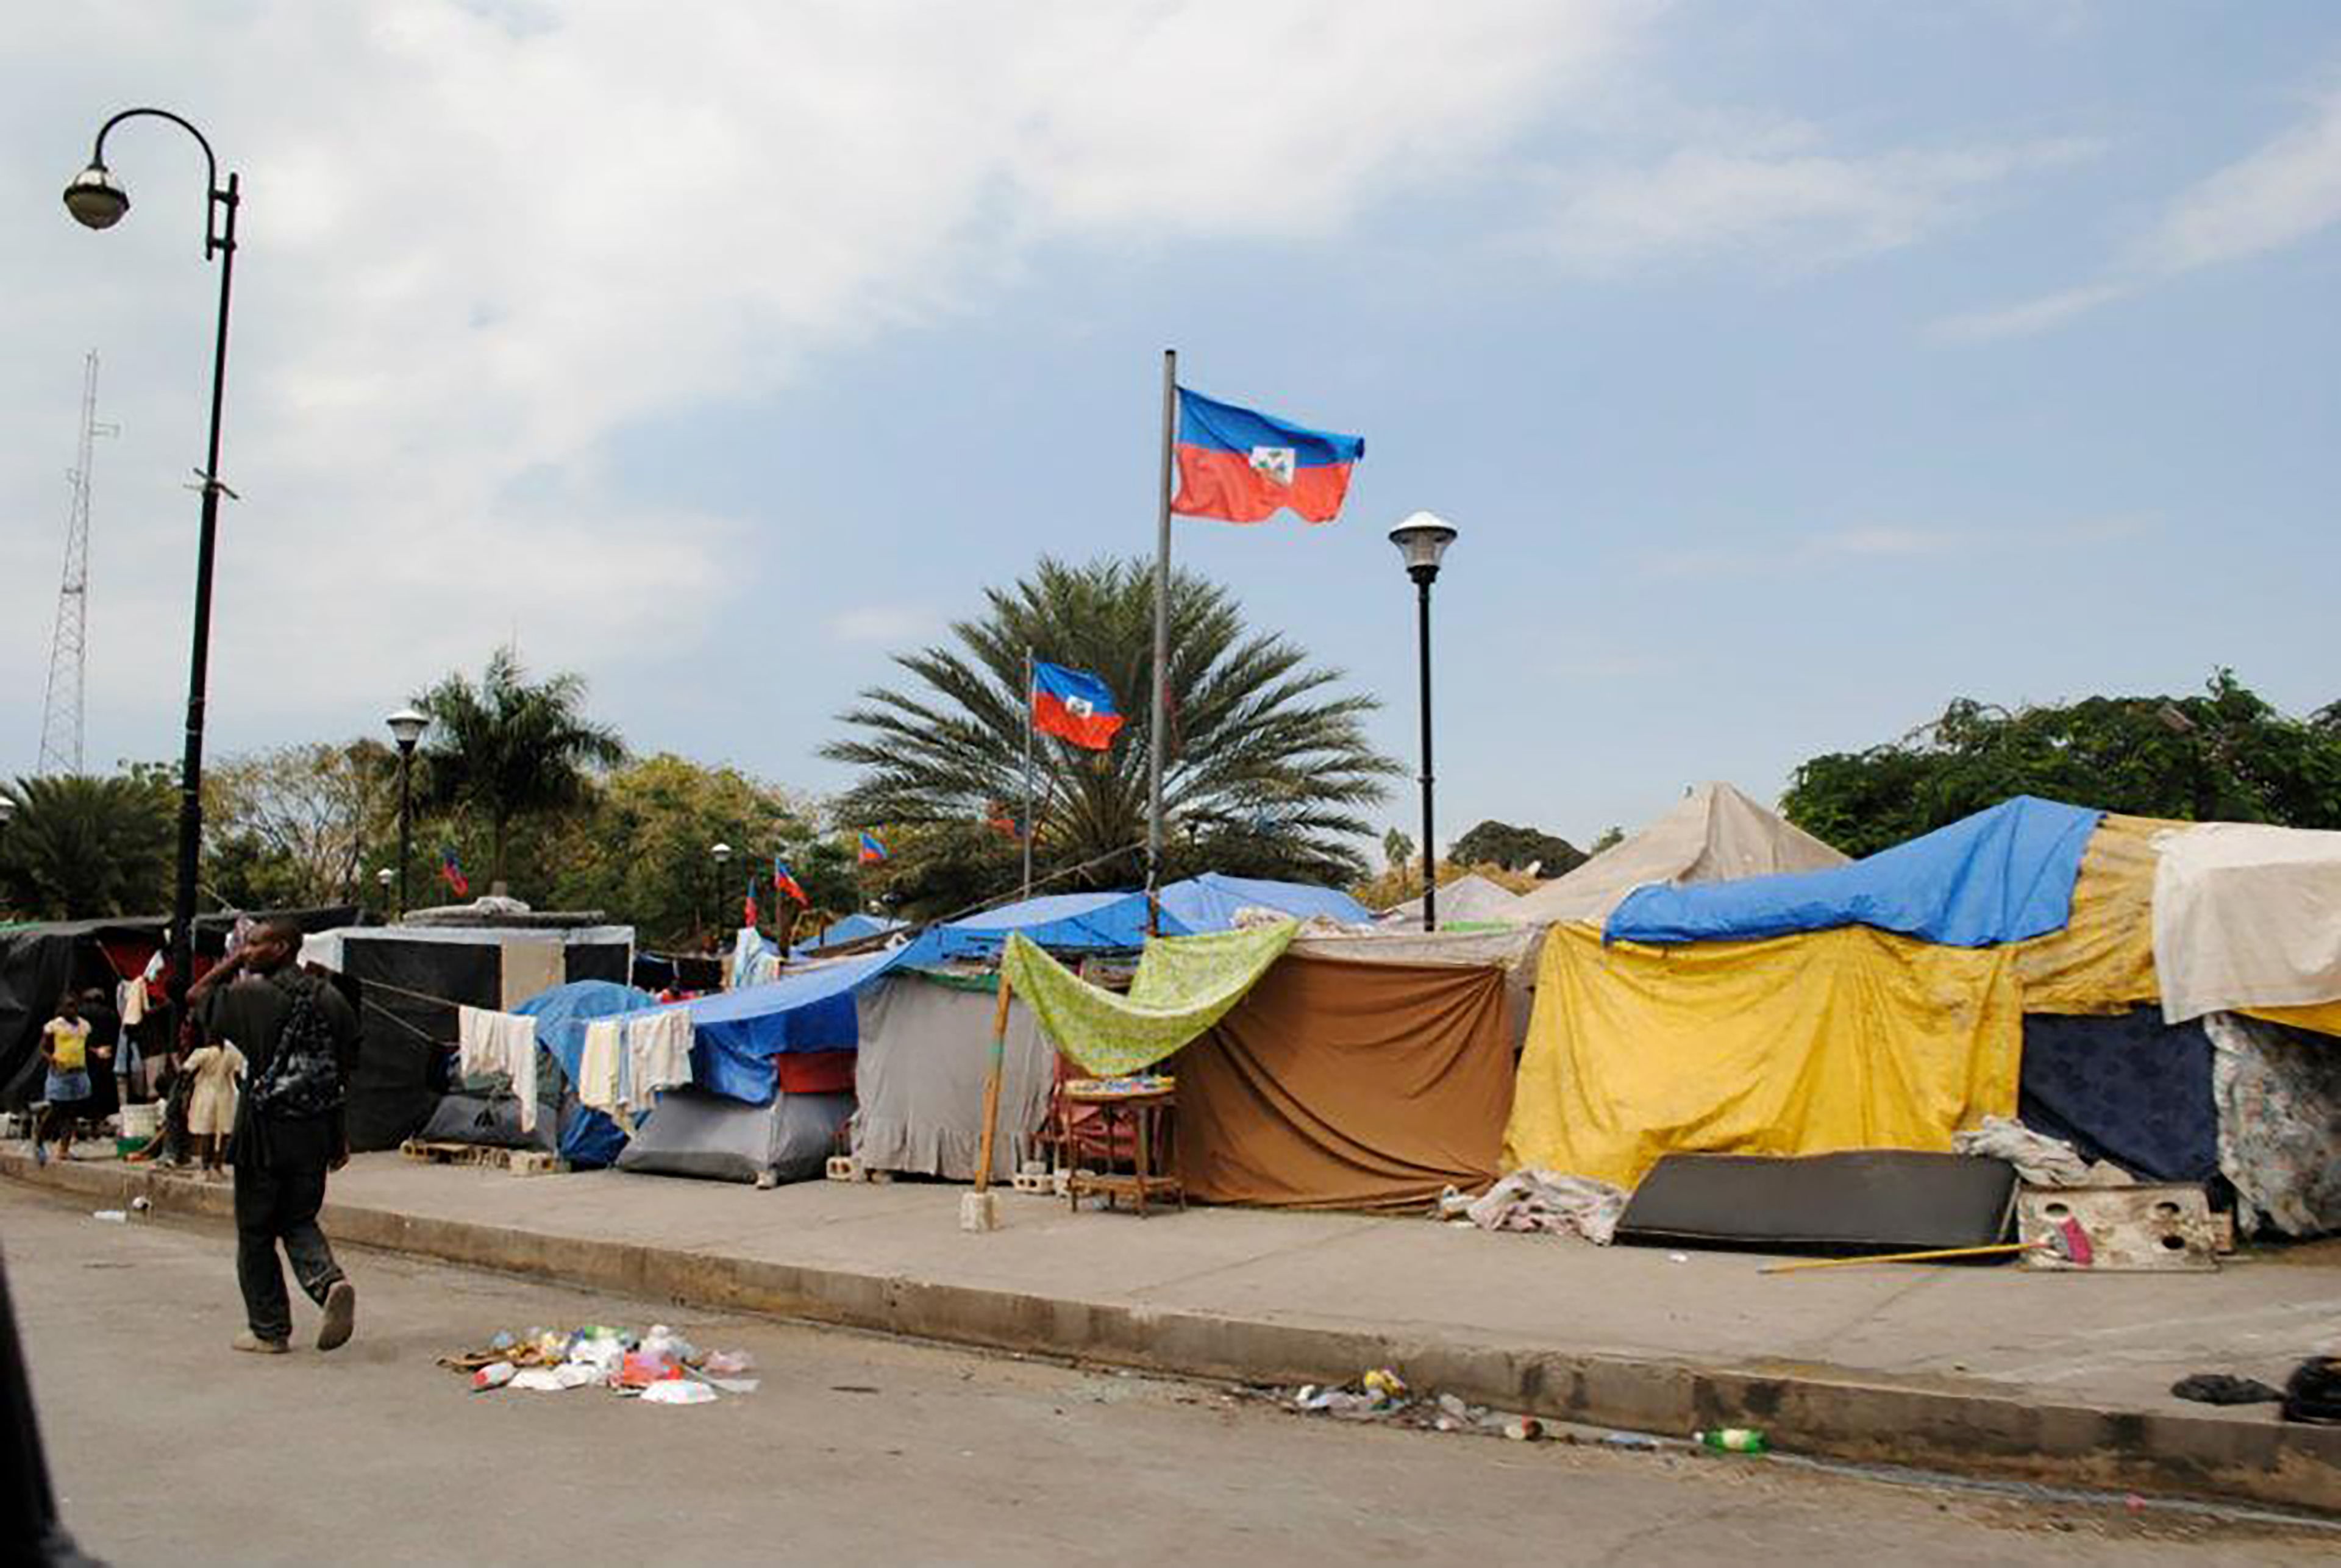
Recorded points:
(722, 854)
(406, 727)
(96, 202)
(1422, 539)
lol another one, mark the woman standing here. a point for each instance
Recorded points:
(65, 1046)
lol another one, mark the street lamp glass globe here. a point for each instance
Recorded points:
(95, 200)
(406, 726)
(722, 851)
(1422, 539)
(386, 876)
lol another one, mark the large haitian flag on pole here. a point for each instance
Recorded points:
(1074, 706)
(1240, 465)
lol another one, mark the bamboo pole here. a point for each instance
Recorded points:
(1995, 1250)
(992, 1087)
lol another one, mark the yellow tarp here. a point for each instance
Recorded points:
(1846, 1039)
(2103, 961)
(2324, 1017)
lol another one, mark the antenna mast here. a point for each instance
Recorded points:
(61, 712)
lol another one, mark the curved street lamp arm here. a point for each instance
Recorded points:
(214, 241)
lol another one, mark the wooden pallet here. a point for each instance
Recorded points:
(517, 1162)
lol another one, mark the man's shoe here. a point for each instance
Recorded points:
(341, 1315)
(251, 1342)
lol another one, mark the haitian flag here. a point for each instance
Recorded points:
(748, 909)
(1240, 465)
(784, 882)
(450, 872)
(1074, 706)
(873, 849)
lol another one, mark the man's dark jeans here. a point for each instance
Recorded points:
(275, 1203)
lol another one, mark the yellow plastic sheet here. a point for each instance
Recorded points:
(2324, 1017)
(1845, 1039)
(2103, 961)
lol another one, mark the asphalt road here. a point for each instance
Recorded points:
(169, 1449)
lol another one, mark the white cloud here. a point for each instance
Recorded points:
(1889, 541)
(480, 237)
(2282, 194)
(1774, 192)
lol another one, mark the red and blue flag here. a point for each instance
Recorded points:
(872, 849)
(748, 908)
(1239, 465)
(1073, 706)
(450, 872)
(783, 883)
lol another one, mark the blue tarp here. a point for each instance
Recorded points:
(852, 928)
(1068, 921)
(2000, 875)
(2129, 1089)
(1210, 902)
(589, 1139)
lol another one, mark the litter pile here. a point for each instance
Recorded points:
(661, 1367)
(1382, 1395)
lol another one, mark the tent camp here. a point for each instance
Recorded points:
(413, 979)
(1716, 834)
(919, 1076)
(1469, 899)
(1994, 967)
(1211, 902)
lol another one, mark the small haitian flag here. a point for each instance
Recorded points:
(782, 881)
(450, 872)
(1073, 706)
(1239, 465)
(873, 849)
(748, 909)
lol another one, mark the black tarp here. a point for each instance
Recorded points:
(412, 990)
(1870, 1200)
(38, 963)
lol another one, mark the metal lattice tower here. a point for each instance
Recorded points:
(61, 713)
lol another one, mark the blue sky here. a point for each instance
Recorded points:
(1788, 369)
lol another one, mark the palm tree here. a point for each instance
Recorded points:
(507, 750)
(1267, 773)
(78, 847)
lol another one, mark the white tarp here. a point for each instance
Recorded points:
(1716, 834)
(2246, 917)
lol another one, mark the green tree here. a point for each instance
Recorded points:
(1397, 849)
(1516, 849)
(78, 847)
(506, 752)
(640, 849)
(1267, 767)
(1610, 838)
(2225, 755)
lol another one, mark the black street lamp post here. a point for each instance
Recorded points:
(97, 202)
(1422, 539)
(406, 727)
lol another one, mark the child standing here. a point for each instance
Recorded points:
(211, 1102)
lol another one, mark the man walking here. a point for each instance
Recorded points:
(299, 1040)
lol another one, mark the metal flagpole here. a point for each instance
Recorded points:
(1154, 735)
(1027, 772)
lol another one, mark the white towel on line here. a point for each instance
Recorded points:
(490, 1042)
(658, 1053)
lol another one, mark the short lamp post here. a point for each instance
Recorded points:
(387, 880)
(1421, 540)
(406, 727)
(721, 853)
(96, 202)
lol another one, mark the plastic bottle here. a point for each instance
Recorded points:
(1732, 1440)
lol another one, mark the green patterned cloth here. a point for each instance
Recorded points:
(1184, 985)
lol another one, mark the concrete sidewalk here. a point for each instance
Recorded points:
(1993, 1369)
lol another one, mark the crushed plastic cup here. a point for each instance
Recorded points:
(495, 1374)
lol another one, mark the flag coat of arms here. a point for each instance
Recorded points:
(1240, 465)
(1073, 706)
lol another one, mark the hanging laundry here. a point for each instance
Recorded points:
(601, 1076)
(658, 1053)
(488, 1042)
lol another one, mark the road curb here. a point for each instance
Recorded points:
(1812, 1409)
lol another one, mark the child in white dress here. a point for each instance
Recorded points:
(211, 1103)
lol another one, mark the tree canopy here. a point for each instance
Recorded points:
(1268, 773)
(1516, 849)
(507, 750)
(2226, 755)
(78, 847)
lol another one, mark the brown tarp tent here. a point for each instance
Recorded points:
(1349, 1085)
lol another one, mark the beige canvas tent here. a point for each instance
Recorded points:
(1716, 834)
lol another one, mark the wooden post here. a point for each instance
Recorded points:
(992, 1087)
(1996, 1249)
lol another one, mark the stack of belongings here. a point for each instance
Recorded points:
(2148, 993)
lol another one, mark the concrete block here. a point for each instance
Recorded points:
(979, 1211)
